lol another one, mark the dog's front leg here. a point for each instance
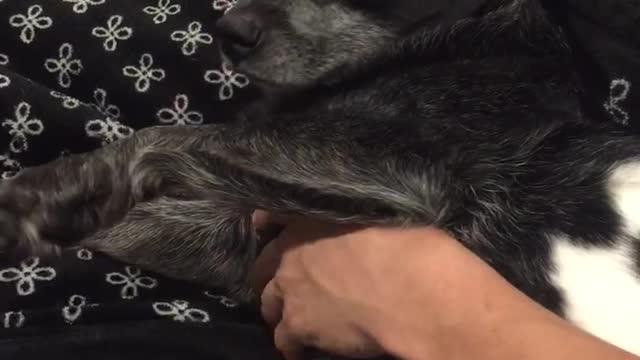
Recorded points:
(59, 203)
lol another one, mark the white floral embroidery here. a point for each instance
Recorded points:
(225, 301)
(107, 130)
(84, 254)
(13, 320)
(618, 92)
(180, 114)
(224, 5)
(145, 73)
(81, 6)
(26, 275)
(64, 65)
(21, 127)
(113, 32)
(131, 281)
(30, 23)
(192, 38)
(228, 79)
(67, 101)
(73, 310)
(162, 11)
(179, 310)
(10, 167)
(4, 81)
(101, 104)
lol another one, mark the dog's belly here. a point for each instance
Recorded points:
(601, 285)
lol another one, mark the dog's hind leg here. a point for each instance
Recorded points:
(198, 241)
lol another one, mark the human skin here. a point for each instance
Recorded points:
(414, 293)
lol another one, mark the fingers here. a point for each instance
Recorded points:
(271, 304)
(287, 343)
(265, 266)
(262, 219)
(271, 308)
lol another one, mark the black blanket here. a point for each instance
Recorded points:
(78, 74)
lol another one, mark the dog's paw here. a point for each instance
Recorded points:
(19, 234)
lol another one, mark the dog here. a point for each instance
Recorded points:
(462, 115)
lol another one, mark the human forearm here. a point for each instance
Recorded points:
(481, 316)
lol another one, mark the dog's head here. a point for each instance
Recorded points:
(296, 42)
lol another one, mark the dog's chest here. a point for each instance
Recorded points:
(601, 286)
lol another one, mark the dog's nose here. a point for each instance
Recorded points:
(239, 33)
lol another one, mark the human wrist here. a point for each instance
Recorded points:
(476, 314)
(455, 306)
(402, 323)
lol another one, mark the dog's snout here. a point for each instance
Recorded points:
(239, 33)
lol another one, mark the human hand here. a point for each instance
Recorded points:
(411, 293)
(335, 287)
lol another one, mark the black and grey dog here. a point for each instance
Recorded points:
(398, 112)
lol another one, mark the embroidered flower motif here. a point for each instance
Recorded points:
(179, 310)
(107, 130)
(30, 23)
(145, 73)
(113, 32)
(67, 101)
(180, 114)
(26, 275)
(131, 281)
(4, 81)
(224, 5)
(228, 79)
(81, 6)
(618, 93)
(192, 38)
(10, 167)
(101, 104)
(74, 308)
(64, 65)
(21, 127)
(84, 254)
(225, 301)
(162, 11)
(13, 320)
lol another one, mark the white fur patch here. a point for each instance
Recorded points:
(601, 286)
(601, 291)
(624, 188)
